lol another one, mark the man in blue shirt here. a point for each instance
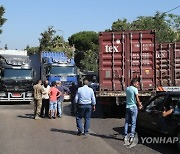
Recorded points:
(131, 108)
(86, 101)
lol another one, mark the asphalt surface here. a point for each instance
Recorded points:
(21, 134)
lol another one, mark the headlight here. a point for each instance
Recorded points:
(2, 94)
(29, 94)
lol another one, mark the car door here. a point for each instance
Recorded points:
(148, 117)
(171, 121)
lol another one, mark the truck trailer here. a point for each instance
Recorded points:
(135, 54)
(16, 76)
(168, 66)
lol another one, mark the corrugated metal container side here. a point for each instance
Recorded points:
(168, 64)
(124, 56)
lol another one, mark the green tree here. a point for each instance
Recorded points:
(121, 25)
(91, 62)
(167, 26)
(49, 41)
(2, 19)
(31, 50)
(84, 40)
(86, 45)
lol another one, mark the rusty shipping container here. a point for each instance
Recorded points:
(168, 65)
(124, 56)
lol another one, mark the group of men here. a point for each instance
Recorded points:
(47, 100)
(83, 99)
(50, 98)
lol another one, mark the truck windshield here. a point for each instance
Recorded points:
(57, 70)
(17, 73)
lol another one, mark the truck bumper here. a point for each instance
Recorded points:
(15, 97)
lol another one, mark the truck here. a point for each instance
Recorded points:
(16, 76)
(55, 66)
(168, 66)
(135, 54)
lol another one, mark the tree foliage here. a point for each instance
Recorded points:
(167, 26)
(2, 19)
(49, 41)
(121, 25)
(86, 45)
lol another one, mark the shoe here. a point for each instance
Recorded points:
(59, 116)
(50, 117)
(86, 134)
(131, 140)
(37, 118)
(79, 133)
(126, 142)
(54, 117)
(43, 116)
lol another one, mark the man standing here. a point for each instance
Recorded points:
(86, 101)
(54, 93)
(131, 109)
(45, 99)
(60, 100)
(73, 90)
(38, 91)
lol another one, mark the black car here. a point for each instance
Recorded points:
(150, 117)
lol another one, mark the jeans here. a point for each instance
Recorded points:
(45, 107)
(59, 110)
(83, 111)
(130, 119)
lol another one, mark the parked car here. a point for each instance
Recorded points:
(150, 117)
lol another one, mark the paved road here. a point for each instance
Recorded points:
(21, 134)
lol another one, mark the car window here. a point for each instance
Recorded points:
(173, 103)
(156, 103)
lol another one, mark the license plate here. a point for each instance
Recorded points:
(16, 94)
(63, 78)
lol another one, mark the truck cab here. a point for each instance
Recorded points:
(16, 76)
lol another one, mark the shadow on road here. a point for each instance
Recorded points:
(14, 103)
(92, 134)
(26, 116)
(64, 131)
(99, 113)
(119, 130)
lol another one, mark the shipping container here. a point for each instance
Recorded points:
(168, 66)
(124, 56)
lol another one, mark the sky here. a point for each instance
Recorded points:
(27, 19)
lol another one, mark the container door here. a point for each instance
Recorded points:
(124, 56)
(164, 65)
(140, 59)
(176, 63)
